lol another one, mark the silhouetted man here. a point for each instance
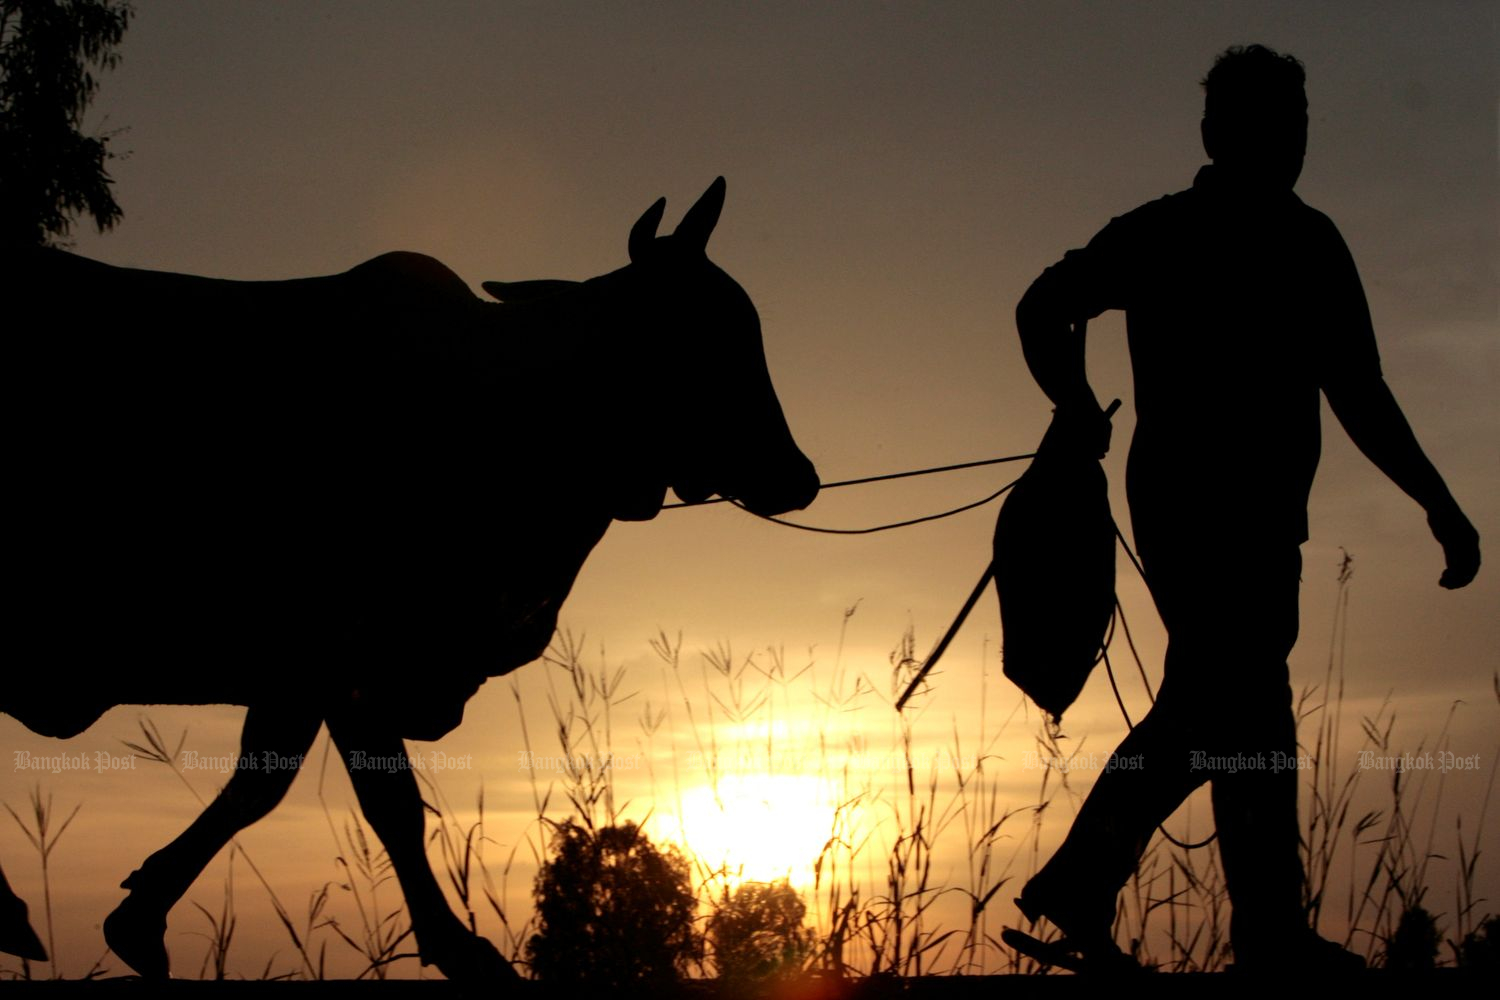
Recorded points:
(1241, 304)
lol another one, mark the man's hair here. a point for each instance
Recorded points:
(1252, 75)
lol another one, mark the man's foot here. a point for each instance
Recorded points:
(1299, 953)
(1086, 924)
(1087, 944)
(1098, 959)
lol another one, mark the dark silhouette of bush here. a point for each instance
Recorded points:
(1414, 945)
(50, 54)
(1480, 949)
(757, 933)
(614, 911)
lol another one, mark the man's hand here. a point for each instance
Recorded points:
(1377, 426)
(1460, 544)
(1084, 428)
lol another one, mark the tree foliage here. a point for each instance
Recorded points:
(757, 933)
(614, 911)
(51, 52)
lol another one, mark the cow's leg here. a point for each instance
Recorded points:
(272, 745)
(16, 935)
(392, 803)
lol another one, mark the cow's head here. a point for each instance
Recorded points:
(691, 400)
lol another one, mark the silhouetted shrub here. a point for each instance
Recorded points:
(1481, 948)
(613, 910)
(1414, 945)
(757, 933)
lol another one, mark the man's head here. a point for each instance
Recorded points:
(1255, 117)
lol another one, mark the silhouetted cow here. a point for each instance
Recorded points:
(347, 500)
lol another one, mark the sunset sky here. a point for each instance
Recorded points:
(897, 175)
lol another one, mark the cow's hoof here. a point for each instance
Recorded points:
(134, 932)
(16, 935)
(468, 958)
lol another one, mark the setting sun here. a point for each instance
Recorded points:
(758, 828)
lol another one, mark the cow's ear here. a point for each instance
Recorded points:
(644, 231)
(698, 225)
(528, 291)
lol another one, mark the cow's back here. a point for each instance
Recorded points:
(216, 480)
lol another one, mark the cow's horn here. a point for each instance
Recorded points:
(696, 227)
(644, 230)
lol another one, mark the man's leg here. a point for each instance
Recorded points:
(1224, 699)
(1256, 815)
(1149, 776)
(1255, 807)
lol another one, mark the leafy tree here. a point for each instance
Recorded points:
(50, 53)
(757, 933)
(614, 911)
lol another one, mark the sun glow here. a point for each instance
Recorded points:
(758, 828)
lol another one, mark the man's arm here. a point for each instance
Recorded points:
(1373, 419)
(1053, 333)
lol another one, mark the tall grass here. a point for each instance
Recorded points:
(907, 843)
(923, 833)
(43, 831)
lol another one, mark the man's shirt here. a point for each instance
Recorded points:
(1238, 309)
